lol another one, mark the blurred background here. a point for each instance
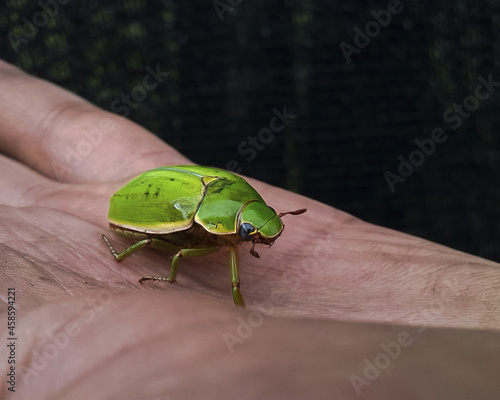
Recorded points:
(328, 98)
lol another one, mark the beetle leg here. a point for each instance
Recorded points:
(187, 253)
(235, 277)
(129, 250)
(175, 263)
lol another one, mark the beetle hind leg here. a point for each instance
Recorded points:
(175, 263)
(129, 250)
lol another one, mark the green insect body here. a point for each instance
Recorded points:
(192, 211)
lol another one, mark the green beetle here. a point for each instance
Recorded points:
(193, 211)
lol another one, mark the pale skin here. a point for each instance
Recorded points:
(323, 301)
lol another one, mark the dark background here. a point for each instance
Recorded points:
(228, 71)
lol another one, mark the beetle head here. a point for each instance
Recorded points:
(260, 224)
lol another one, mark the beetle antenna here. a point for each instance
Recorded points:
(296, 212)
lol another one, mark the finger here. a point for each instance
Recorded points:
(64, 137)
(23, 187)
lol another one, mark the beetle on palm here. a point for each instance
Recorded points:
(193, 211)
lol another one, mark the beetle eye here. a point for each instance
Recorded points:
(246, 230)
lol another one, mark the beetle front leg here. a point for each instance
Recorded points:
(235, 276)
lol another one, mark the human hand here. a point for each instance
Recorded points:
(63, 160)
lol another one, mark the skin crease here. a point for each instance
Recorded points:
(324, 301)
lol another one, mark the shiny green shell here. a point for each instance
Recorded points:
(170, 199)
